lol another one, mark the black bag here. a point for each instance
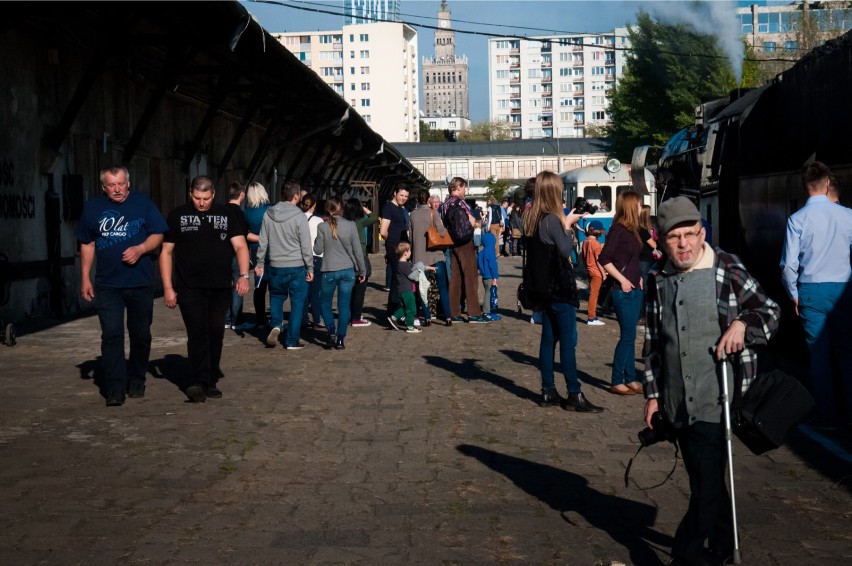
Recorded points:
(771, 407)
(458, 224)
(527, 299)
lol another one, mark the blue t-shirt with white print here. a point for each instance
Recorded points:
(114, 227)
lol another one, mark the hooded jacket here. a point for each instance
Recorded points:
(285, 238)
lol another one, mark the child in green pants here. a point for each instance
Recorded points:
(407, 275)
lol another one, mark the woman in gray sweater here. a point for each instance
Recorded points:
(343, 261)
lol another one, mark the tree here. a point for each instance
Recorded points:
(664, 80)
(485, 131)
(597, 131)
(427, 134)
(752, 76)
(496, 188)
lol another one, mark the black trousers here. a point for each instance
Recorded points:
(203, 312)
(709, 515)
(393, 264)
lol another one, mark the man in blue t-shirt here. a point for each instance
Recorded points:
(121, 229)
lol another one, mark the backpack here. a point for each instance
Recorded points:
(496, 213)
(458, 224)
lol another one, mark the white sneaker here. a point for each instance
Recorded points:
(416, 322)
(595, 322)
(413, 330)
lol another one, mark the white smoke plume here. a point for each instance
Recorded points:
(715, 18)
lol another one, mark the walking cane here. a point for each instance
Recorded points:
(726, 403)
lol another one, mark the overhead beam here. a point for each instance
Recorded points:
(251, 110)
(222, 89)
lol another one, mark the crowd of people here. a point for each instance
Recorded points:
(700, 305)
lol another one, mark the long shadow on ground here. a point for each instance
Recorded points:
(470, 370)
(524, 358)
(627, 522)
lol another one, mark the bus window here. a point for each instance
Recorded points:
(600, 196)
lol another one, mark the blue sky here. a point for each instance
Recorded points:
(517, 17)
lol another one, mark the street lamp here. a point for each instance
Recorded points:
(558, 153)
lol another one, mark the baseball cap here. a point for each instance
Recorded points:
(594, 225)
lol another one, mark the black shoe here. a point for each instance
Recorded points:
(339, 345)
(550, 398)
(136, 390)
(115, 399)
(213, 392)
(196, 393)
(331, 341)
(578, 402)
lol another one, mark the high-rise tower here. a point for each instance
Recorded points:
(370, 11)
(445, 76)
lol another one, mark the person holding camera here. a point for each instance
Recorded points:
(549, 282)
(702, 307)
(620, 259)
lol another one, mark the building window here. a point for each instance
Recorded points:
(769, 46)
(791, 45)
(526, 168)
(502, 74)
(365, 54)
(351, 70)
(352, 86)
(365, 70)
(598, 71)
(365, 102)
(351, 54)
(502, 44)
(351, 37)
(365, 86)
(481, 169)
(364, 37)
(505, 170)
(367, 118)
(598, 115)
(436, 170)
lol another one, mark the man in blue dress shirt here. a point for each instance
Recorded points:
(817, 274)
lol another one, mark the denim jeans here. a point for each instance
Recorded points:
(235, 310)
(559, 324)
(284, 282)
(314, 304)
(342, 280)
(110, 303)
(359, 291)
(628, 307)
(824, 309)
(203, 312)
(443, 279)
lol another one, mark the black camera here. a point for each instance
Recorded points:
(662, 431)
(582, 206)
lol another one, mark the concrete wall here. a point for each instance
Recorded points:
(38, 185)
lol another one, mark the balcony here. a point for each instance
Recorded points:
(579, 122)
(514, 110)
(514, 80)
(547, 123)
(577, 48)
(514, 95)
(546, 65)
(547, 94)
(577, 63)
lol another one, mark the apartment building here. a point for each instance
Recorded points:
(373, 66)
(556, 85)
(794, 28)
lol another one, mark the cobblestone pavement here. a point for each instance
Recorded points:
(425, 448)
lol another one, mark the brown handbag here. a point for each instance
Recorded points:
(434, 240)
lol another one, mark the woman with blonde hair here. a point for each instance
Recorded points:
(549, 283)
(343, 261)
(257, 201)
(620, 259)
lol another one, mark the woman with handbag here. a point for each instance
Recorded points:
(620, 259)
(549, 280)
(426, 225)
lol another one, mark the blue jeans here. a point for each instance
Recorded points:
(628, 307)
(559, 324)
(110, 303)
(825, 309)
(314, 303)
(343, 281)
(235, 311)
(284, 281)
(443, 278)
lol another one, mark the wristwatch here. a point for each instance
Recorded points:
(244, 275)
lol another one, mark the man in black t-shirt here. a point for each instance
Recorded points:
(195, 266)
(236, 196)
(394, 229)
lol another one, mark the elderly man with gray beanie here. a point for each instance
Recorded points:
(701, 301)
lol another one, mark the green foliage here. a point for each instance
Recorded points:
(752, 76)
(496, 188)
(427, 134)
(485, 131)
(664, 79)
